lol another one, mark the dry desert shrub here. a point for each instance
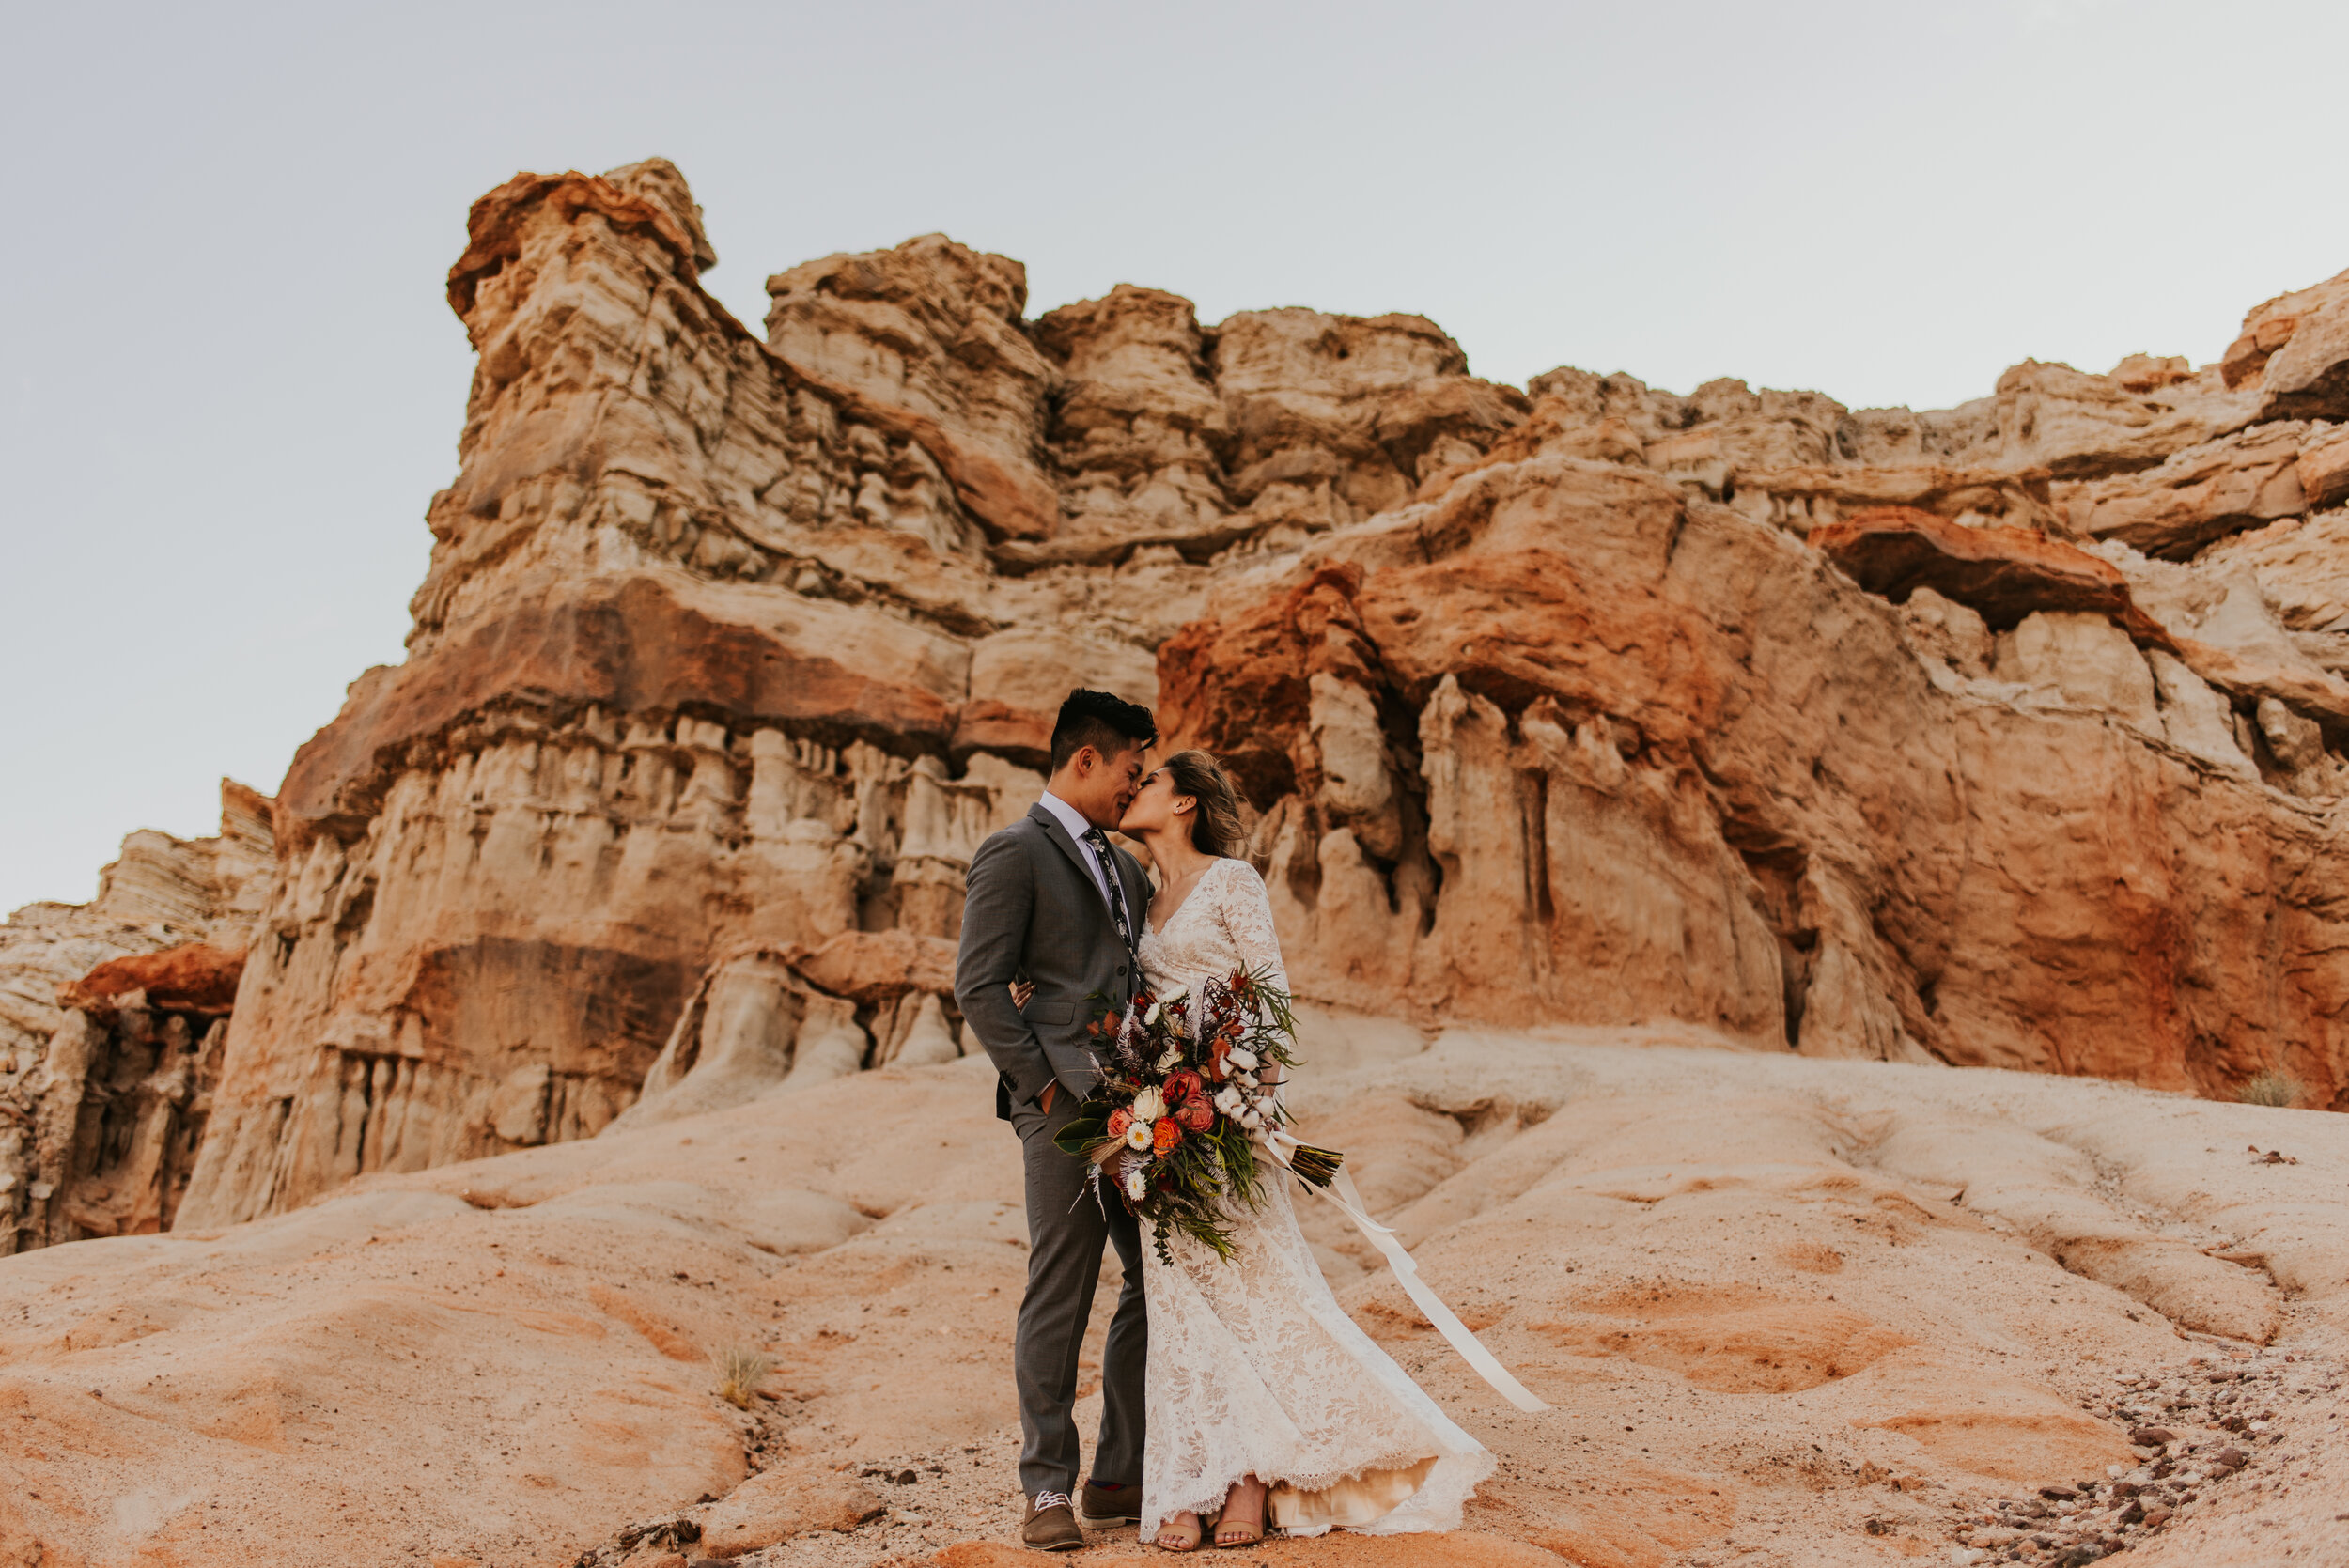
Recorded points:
(739, 1373)
(2271, 1087)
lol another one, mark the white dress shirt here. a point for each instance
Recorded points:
(1078, 827)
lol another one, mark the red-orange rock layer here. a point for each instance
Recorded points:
(633, 646)
(195, 977)
(2002, 574)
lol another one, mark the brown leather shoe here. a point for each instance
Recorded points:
(1049, 1524)
(1099, 1508)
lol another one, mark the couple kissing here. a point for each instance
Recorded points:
(1238, 1397)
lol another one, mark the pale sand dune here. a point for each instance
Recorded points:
(1771, 1300)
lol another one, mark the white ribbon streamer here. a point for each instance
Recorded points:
(1406, 1271)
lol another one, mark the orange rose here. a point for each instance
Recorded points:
(1165, 1136)
(1120, 1120)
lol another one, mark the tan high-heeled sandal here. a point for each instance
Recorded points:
(1198, 1528)
(1246, 1534)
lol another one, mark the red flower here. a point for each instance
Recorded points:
(1183, 1085)
(1120, 1120)
(1197, 1115)
(1165, 1136)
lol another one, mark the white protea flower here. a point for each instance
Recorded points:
(1242, 1058)
(1149, 1106)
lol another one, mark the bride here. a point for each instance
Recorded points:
(1268, 1406)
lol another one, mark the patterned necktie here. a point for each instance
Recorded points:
(1100, 842)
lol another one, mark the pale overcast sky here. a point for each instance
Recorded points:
(231, 381)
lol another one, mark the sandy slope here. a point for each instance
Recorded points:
(1787, 1311)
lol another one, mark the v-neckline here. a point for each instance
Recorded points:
(1159, 929)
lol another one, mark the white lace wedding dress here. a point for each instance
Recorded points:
(1254, 1368)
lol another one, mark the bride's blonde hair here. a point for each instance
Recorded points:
(1215, 822)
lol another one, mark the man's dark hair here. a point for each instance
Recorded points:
(1108, 724)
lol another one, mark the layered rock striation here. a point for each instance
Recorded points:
(2006, 734)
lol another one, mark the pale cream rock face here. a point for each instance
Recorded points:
(1707, 1259)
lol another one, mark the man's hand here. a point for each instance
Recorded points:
(1044, 1101)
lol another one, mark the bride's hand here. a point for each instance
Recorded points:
(1023, 991)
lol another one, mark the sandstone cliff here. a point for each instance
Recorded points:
(113, 1023)
(2006, 734)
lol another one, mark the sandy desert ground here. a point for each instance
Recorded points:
(1786, 1311)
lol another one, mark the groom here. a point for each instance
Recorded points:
(1051, 901)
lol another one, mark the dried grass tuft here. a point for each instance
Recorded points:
(2271, 1087)
(739, 1373)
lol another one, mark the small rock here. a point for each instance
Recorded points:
(779, 1503)
(2058, 1494)
(2233, 1458)
(2151, 1436)
(2156, 1517)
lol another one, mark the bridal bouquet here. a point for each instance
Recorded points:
(1173, 1122)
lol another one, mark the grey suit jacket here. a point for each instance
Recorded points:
(1031, 910)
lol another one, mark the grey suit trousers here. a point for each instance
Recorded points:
(1066, 1229)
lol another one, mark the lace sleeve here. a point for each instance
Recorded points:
(1245, 910)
